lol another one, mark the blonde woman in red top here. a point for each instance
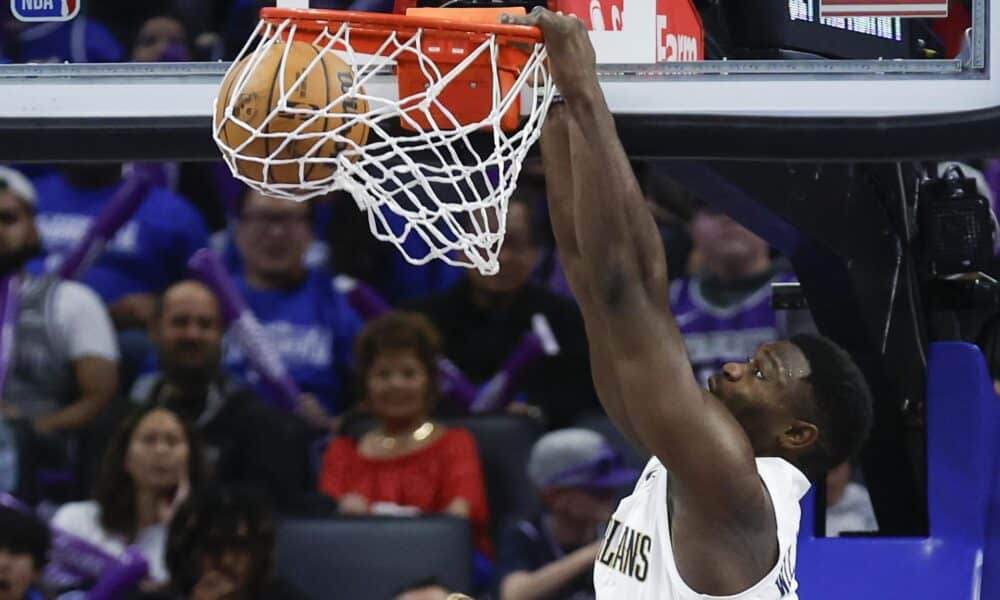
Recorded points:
(408, 464)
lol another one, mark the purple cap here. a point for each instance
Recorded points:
(577, 458)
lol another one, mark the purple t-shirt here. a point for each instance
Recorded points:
(714, 334)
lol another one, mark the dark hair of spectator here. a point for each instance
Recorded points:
(529, 196)
(159, 303)
(395, 331)
(840, 407)
(241, 202)
(162, 14)
(214, 520)
(24, 533)
(115, 489)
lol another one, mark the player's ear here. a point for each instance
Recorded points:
(799, 435)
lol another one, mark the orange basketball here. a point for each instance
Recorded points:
(260, 95)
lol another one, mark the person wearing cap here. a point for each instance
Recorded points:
(551, 557)
(63, 370)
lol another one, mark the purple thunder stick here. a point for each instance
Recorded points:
(116, 213)
(207, 267)
(8, 323)
(534, 346)
(124, 574)
(73, 561)
(368, 304)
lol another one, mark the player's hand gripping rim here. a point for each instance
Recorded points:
(572, 60)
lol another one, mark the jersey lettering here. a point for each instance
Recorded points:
(631, 554)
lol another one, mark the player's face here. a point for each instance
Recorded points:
(17, 573)
(157, 454)
(17, 225)
(519, 255)
(273, 236)
(189, 332)
(760, 391)
(397, 387)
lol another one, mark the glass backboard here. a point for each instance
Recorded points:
(759, 57)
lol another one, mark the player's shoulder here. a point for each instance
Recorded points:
(774, 469)
(785, 484)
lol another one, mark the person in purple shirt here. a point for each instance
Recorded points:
(148, 253)
(311, 325)
(723, 308)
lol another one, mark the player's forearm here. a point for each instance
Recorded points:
(608, 244)
(559, 183)
(544, 582)
(559, 177)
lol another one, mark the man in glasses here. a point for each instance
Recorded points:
(309, 322)
(552, 556)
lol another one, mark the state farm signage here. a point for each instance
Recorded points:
(674, 25)
(680, 35)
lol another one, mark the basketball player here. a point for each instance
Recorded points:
(715, 512)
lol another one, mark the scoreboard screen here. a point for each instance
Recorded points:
(796, 25)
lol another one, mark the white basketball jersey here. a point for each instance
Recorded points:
(636, 560)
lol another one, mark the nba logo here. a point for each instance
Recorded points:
(44, 10)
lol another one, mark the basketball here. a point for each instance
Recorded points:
(259, 102)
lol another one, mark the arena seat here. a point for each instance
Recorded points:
(961, 556)
(505, 443)
(372, 558)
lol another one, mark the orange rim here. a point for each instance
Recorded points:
(315, 20)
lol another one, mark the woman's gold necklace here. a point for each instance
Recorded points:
(388, 442)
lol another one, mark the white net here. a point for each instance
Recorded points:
(438, 189)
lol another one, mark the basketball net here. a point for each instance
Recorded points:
(434, 181)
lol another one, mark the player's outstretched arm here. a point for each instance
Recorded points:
(621, 258)
(559, 192)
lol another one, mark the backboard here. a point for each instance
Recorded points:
(779, 60)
